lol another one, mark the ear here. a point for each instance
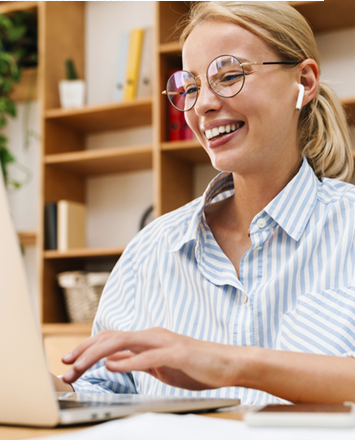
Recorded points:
(308, 76)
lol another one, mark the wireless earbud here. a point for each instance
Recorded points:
(300, 97)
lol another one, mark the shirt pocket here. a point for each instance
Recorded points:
(322, 322)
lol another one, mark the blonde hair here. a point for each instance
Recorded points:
(323, 134)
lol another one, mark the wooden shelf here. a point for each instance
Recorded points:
(8, 7)
(190, 151)
(349, 105)
(105, 117)
(173, 47)
(104, 161)
(66, 329)
(328, 15)
(83, 253)
(27, 88)
(27, 238)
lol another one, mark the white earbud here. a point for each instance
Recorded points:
(300, 97)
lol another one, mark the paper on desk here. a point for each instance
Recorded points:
(151, 426)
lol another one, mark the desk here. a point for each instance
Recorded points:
(17, 433)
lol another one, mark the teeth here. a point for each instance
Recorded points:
(222, 129)
(215, 131)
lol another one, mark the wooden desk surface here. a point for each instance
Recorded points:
(17, 433)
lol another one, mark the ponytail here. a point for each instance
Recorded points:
(324, 136)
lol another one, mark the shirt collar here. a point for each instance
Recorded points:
(291, 208)
(220, 187)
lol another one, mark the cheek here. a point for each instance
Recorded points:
(192, 122)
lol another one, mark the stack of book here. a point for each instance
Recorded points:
(134, 65)
(65, 225)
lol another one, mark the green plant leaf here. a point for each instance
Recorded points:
(7, 106)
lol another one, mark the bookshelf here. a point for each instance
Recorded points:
(66, 164)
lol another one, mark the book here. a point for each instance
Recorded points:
(175, 118)
(133, 63)
(71, 225)
(50, 226)
(144, 89)
(121, 66)
(186, 132)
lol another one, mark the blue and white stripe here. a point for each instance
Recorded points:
(298, 277)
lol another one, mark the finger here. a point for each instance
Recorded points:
(104, 344)
(120, 355)
(108, 342)
(155, 358)
(70, 357)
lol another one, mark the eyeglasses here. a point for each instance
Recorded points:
(225, 76)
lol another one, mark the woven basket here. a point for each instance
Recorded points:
(82, 292)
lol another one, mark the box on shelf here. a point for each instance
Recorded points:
(82, 292)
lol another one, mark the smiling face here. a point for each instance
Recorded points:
(256, 130)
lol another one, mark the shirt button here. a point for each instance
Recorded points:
(244, 298)
(258, 248)
(261, 223)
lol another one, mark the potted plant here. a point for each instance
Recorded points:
(71, 90)
(18, 50)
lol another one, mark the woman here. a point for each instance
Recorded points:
(253, 283)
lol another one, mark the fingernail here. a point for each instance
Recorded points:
(68, 376)
(67, 357)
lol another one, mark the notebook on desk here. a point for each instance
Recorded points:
(27, 395)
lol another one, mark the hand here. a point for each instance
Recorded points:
(175, 359)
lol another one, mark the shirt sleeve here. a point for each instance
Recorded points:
(115, 312)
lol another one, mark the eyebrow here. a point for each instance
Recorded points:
(242, 60)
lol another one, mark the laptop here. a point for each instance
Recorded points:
(27, 394)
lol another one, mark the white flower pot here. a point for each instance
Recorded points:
(72, 93)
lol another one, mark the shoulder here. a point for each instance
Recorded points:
(333, 191)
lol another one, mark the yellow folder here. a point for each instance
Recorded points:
(133, 63)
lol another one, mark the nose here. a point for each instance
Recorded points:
(207, 100)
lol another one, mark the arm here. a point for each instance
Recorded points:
(189, 363)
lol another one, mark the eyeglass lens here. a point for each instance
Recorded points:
(225, 76)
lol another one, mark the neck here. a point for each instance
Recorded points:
(254, 192)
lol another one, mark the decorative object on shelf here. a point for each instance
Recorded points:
(147, 217)
(71, 90)
(82, 292)
(18, 50)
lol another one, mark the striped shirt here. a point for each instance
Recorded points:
(295, 291)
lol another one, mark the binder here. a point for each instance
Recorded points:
(145, 71)
(133, 63)
(121, 67)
